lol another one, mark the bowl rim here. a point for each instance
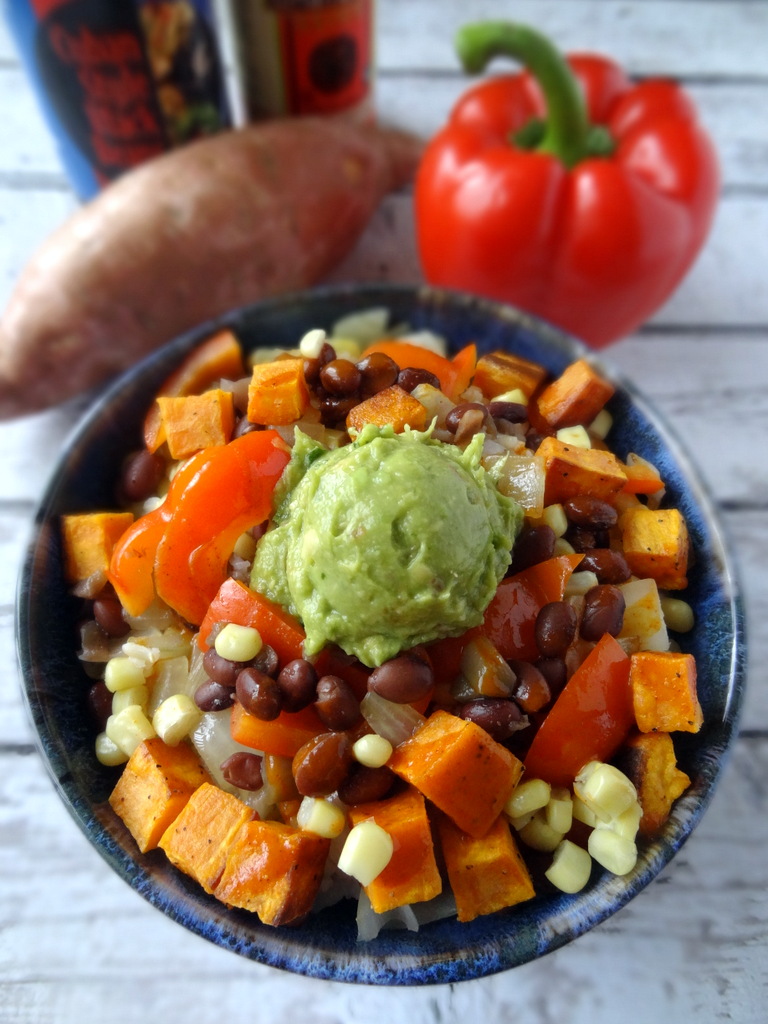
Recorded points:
(394, 958)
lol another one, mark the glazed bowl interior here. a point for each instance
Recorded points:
(325, 945)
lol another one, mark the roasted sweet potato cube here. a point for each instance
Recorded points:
(499, 372)
(570, 471)
(576, 396)
(198, 840)
(88, 540)
(485, 874)
(219, 357)
(392, 406)
(155, 786)
(193, 422)
(663, 685)
(277, 393)
(412, 875)
(656, 544)
(650, 762)
(273, 870)
(460, 768)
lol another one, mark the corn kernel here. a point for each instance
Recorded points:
(366, 852)
(580, 582)
(615, 853)
(122, 673)
(176, 718)
(108, 753)
(539, 835)
(238, 643)
(583, 813)
(516, 395)
(576, 437)
(555, 518)
(570, 868)
(133, 695)
(627, 823)
(372, 750)
(601, 425)
(604, 789)
(559, 810)
(245, 546)
(562, 547)
(321, 817)
(312, 343)
(678, 615)
(129, 728)
(519, 822)
(527, 797)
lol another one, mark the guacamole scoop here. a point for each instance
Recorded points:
(391, 541)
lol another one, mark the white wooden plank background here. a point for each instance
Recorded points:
(76, 945)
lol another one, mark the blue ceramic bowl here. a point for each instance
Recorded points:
(325, 946)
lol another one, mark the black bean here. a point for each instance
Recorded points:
(603, 612)
(555, 628)
(141, 475)
(243, 770)
(513, 412)
(100, 704)
(608, 565)
(403, 680)
(535, 544)
(298, 683)
(555, 672)
(364, 784)
(212, 696)
(108, 612)
(336, 705)
(412, 376)
(340, 377)
(221, 670)
(266, 661)
(500, 718)
(458, 412)
(378, 372)
(259, 693)
(586, 538)
(334, 409)
(586, 510)
(322, 764)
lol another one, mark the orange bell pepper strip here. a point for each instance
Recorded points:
(133, 557)
(589, 720)
(455, 375)
(510, 619)
(230, 493)
(283, 736)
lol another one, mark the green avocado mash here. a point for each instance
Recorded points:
(391, 541)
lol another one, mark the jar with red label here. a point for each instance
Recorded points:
(304, 57)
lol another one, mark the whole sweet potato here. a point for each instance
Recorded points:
(224, 221)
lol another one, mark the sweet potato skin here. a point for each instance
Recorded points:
(184, 238)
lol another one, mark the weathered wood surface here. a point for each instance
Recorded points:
(76, 945)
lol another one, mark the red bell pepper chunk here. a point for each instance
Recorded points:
(566, 189)
(589, 720)
(230, 492)
(284, 735)
(510, 619)
(235, 602)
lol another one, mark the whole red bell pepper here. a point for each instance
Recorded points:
(565, 189)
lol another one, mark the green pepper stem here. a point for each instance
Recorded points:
(567, 133)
